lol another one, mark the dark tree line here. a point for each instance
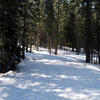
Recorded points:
(48, 23)
(18, 19)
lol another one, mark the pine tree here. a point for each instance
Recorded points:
(71, 27)
(89, 38)
(9, 26)
(49, 21)
(97, 7)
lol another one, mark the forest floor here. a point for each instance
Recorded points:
(48, 77)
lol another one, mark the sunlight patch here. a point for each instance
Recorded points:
(68, 77)
(41, 75)
(22, 86)
(35, 84)
(57, 90)
(7, 80)
(74, 96)
(51, 84)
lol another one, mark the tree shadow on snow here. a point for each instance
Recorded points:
(51, 77)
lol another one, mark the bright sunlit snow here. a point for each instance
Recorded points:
(48, 77)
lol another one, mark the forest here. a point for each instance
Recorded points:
(52, 24)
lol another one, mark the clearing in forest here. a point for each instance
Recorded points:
(48, 77)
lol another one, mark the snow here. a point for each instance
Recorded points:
(48, 77)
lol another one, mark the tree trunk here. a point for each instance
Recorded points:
(49, 46)
(89, 39)
(78, 46)
(23, 46)
(24, 33)
(56, 46)
(88, 56)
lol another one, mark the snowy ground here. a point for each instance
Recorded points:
(48, 77)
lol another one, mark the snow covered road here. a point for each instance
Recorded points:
(48, 77)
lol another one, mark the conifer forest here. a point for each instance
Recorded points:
(49, 24)
(49, 49)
